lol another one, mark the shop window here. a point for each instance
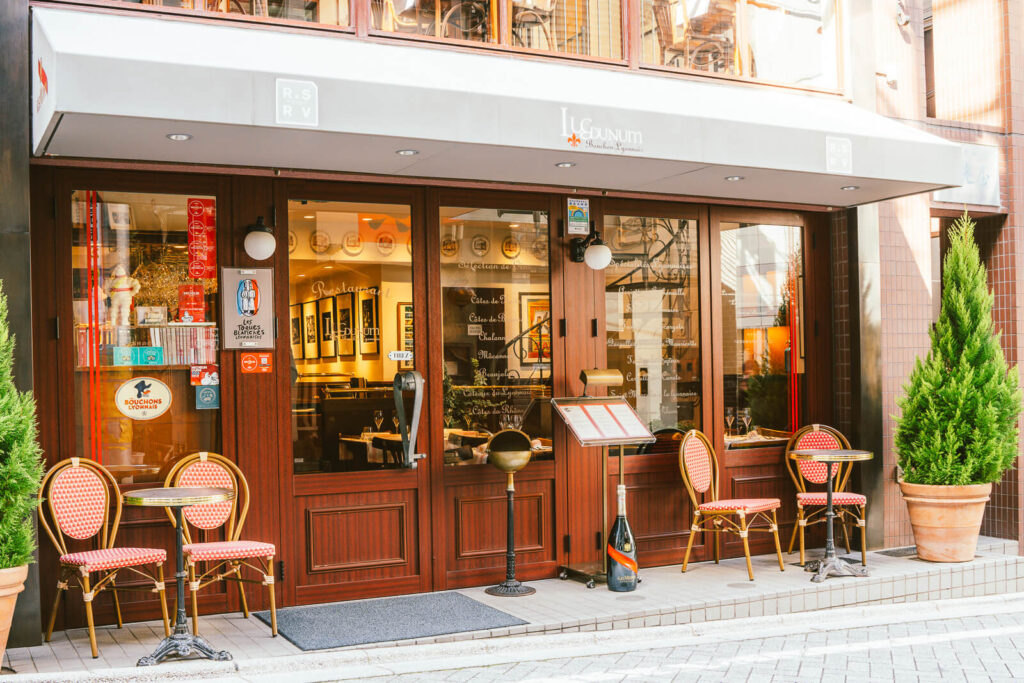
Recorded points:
(350, 308)
(331, 12)
(496, 316)
(699, 35)
(652, 308)
(582, 27)
(793, 42)
(144, 290)
(762, 331)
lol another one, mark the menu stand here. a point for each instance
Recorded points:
(627, 430)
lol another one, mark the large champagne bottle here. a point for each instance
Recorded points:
(621, 550)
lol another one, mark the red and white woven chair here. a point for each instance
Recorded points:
(812, 505)
(75, 501)
(223, 559)
(699, 467)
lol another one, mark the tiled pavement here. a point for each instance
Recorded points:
(705, 593)
(975, 649)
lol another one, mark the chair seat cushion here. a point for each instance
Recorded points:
(841, 498)
(745, 504)
(227, 550)
(113, 558)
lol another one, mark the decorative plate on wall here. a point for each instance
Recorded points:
(385, 243)
(540, 250)
(351, 243)
(510, 247)
(449, 247)
(293, 242)
(480, 245)
(319, 242)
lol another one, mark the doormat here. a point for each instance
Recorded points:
(357, 622)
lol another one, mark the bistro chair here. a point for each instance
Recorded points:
(699, 467)
(224, 559)
(75, 501)
(812, 505)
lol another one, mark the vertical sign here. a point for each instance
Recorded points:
(579, 216)
(248, 300)
(191, 303)
(202, 238)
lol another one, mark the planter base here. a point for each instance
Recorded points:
(946, 519)
(12, 582)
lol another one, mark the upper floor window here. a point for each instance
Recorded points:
(579, 27)
(782, 41)
(332, 12)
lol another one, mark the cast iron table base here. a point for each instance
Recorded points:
(182, 643)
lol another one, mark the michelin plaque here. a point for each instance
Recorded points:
(248, 300)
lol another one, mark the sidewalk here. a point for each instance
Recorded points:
(706, 593)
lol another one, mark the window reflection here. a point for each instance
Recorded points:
(332, 12)
(652, 310)
(144, 288)
(691, 34)
(471, 20)
(793, 41)
(350, 306)
(496, 310)
(762, 327)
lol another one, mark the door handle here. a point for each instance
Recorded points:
(409, 380)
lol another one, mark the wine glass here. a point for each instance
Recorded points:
(367, 434)
(730, 418)
(745, 416)
(394, 421)
(378, 418)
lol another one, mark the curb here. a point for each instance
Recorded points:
(355, 664)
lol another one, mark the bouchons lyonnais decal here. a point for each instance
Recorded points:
(143, 398)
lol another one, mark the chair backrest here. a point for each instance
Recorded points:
(78, 494)
(699, 467)
(819, 437)
(211, 469)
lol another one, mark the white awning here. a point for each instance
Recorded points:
(114, 86)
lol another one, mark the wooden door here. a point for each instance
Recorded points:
(357, 521)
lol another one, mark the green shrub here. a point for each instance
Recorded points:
(21, 466)
(959, 414)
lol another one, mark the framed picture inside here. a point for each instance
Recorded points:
(325, 316)
(369, 323)
(405, 338)
(310, 331)
(535, 326)
(295, 314)
(345, 324)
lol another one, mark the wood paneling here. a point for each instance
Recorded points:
(357, 537)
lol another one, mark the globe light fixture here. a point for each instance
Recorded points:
(260, 242)
(590, 250)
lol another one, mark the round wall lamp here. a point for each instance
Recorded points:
(590, 250)
(259, 241)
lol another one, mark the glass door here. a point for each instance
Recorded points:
(354, 313)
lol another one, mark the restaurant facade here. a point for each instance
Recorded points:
(430, 175)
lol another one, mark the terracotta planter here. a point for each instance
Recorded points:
(12, 582)
(946, 519)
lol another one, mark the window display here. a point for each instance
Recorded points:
(144, 291)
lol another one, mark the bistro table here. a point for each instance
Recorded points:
(181, 642)
(830, 564)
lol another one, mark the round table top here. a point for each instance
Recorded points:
(830, 455)
(177, 496)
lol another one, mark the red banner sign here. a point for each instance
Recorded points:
(191, 304)
(202, 238)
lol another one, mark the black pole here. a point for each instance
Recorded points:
(510, 587)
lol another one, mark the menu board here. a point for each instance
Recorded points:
(604, 421)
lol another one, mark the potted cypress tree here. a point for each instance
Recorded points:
(958, 430)
(21, 470)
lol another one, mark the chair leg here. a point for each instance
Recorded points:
(241, 591)
(87, 597)
(163, 599)
(778, 546)
(846, 533)
(801, 522)
(193, 589)
(117, 603)
(718, 544)
(273, 603)
(53, 612)
(863, 535)
(689, 543)
(792, 536)
(746, 545)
